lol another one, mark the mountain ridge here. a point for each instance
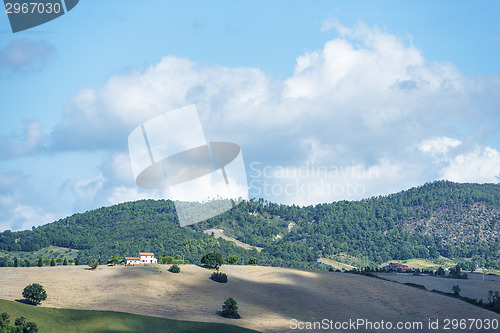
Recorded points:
(440, 218)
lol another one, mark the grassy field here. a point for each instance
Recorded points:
(425, 263)
(335, 264)
(67, 320)
(51, 252)
(435, 264)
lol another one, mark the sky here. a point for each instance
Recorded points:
(328, 100)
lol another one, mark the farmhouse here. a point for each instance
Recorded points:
(144, 258)
(394, 266)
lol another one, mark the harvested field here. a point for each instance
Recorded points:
(268, 298)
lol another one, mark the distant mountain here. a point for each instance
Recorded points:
(442, 218)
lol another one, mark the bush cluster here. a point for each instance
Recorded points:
(219, 277)
(174, 269)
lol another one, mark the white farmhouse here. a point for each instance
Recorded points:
(148, 258)
(144, 258)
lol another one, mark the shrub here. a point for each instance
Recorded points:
(253, 261)
(34, 293)
(174, 269)
(230, 309)
(232, 259)
(219, 277)
(93, 264)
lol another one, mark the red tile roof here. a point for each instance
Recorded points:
(132, 258)
(146, 254)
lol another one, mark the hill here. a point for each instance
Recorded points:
(268, 297)
(51, 320)
(442, 218)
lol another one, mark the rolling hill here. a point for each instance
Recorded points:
(268, 297)
(442, 218)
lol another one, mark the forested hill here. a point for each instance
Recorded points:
(460, 221)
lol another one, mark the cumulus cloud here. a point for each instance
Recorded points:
(24, 56)
(481, 165)
(438, 146)
(366, 98)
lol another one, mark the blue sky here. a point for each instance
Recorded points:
(328, 100)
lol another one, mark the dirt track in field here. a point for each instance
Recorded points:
(268, 298)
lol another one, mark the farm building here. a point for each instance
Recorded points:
(144, 258)
(394, 266)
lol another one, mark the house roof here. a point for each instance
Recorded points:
(146, 254)
(132, 258)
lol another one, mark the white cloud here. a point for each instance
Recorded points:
(482, 165)
(366, 97)
(122, 194)
(438, 146)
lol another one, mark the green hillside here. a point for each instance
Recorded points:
(66, 320)
(459, 221)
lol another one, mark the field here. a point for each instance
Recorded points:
(65, 320)
(335, 264)
(268, 298)
(474, 287)
(51, 252)
(220, 233)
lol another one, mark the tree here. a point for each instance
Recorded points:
(230, 309)
(71, 261)
(115, 259)
(93, 264)
(253, 261)
(232, 259)
(456, 289)
(4, 320)
(52, 262)
(178, 257)
(16, 262)
(34, 293)
(212, 259)
(40, 262)
(65, 262)
(21, 325)
(167, 260)
(77, 261)
(59, 261)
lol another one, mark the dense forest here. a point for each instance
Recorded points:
(442, 218)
